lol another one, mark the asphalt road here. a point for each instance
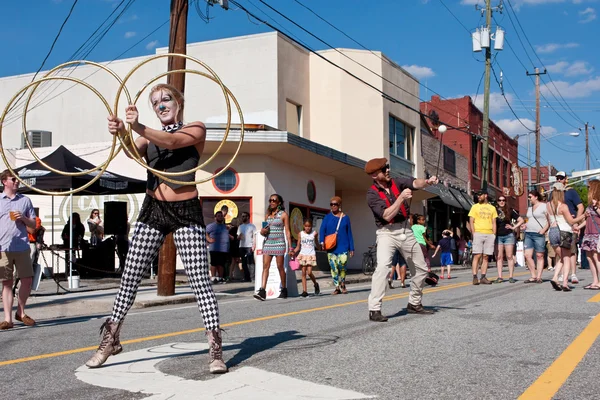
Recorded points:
(483, 342)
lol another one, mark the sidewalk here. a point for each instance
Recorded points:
(96, 296)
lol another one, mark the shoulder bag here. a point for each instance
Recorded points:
(331, 240)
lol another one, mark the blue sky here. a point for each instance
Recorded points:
(421, 35)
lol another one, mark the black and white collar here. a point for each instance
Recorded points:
(172, 127)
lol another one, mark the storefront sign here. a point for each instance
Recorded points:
(231, 213)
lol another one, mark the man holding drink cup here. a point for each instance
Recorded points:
(16, 215)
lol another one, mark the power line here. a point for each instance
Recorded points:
(43, 101)
(51, 48)
(507, 102)
(383, 94)
(455, 17)
(541, 62)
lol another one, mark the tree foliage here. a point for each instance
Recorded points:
(582, 191)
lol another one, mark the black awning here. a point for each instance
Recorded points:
(444, 194)
(461, 199)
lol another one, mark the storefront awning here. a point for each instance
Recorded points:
(468, 198)
(445, 195)
(461, 199)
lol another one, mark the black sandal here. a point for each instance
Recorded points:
(556, 286)
(530, 280)
(566, 289)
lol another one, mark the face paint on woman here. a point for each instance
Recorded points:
(165, 107)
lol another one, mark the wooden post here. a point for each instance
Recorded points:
(177, 44)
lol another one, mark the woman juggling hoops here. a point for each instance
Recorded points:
(167, 208)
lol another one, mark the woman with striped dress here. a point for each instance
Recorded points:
(276, 231)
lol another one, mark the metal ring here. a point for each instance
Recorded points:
(163, 174)
(26, 106)
(101, 169)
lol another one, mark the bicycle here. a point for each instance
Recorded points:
(369, 262)
(466, 259)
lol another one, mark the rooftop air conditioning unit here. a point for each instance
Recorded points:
(37, 139)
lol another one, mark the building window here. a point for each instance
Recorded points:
(293, 118)
(474, 163)
(227, 182)
(505, 174)
(498, 183)
(449, 160)
(401, 139)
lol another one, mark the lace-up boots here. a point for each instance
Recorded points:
(215, 352)
(109, 345)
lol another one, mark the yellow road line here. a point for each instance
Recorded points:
(546, 386)
(595, 299)
(248, 321)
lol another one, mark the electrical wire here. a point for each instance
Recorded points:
(542, 64)
(95, 71)
(508, 103)
(49, 51)
(384, 59)
(383, 94)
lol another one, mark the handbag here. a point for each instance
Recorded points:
(294, 264)
(432, 279)
(331, 240)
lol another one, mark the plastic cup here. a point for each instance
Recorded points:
(13, 215)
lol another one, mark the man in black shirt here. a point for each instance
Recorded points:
(389, 200)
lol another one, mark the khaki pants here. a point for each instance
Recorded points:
(388, 241)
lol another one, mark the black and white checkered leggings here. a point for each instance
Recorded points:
(191, 247)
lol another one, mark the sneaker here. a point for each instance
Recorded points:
(261, 294)
(390, 284)
(317, 289)
(475, 281)
(574, 279)
(560, 278)
(376, 316)
(550, 268)
(282, 294)
(403, 285)
(499, 280)
(304, 294)
(484, 281)
(512, 280)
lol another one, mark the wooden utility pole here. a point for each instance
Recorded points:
(587, 148)
(537, 74)
(177, 44)
(486, 102)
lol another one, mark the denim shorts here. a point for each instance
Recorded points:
(535, 241)
(506, 239)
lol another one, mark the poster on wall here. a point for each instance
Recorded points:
(273, 287)
(235, 208)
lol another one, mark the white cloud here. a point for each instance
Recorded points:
(552, 47)
(497, 102)
(418, 71)
(129, 35)
(558, 68)
(587, 15)
(152, 45)
(513, 127)
(573, 90)
(571, 69)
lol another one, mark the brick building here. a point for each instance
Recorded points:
(451, 206)
(503, 150)
(544, 177)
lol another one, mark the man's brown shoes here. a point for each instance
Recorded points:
(417, 309)
(25, 319)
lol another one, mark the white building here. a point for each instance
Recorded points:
(312, 126)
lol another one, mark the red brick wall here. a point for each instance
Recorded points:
(462, 113)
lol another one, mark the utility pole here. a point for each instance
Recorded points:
(177, 44)
(587, 148)
(537, 74)
(486, 101)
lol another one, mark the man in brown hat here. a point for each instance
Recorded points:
(389, 199)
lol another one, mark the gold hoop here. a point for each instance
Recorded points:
(101, 169)
(26, 106)
(137, 157)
